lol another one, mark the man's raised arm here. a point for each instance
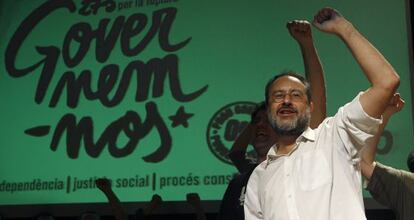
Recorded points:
(368, 152)
(384, 80)
(301, 31)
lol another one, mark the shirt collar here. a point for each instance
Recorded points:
(308, 134)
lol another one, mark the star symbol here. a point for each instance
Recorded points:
(180, 118)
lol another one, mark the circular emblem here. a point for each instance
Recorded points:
(226, 125)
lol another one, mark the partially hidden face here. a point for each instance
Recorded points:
(264, 136)
(288, 106)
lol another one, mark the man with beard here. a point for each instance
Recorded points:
(314, 174)
(260, 134)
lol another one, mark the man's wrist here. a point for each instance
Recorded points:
(346, 31)
(306, 43)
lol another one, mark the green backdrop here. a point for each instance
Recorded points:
(151, 94)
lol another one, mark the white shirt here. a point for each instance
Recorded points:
(320, 178)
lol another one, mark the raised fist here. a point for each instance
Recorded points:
(331, 21)
(395, 105)
(300, 30)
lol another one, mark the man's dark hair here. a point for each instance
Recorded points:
(260, 106)
(410, 161)
(288, 73)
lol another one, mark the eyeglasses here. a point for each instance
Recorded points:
(294, 95)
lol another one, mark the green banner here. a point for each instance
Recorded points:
(152, 93)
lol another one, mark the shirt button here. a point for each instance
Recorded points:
(287, 174)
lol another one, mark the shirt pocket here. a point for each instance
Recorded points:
(313, 170)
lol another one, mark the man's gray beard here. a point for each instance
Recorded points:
(294, 128)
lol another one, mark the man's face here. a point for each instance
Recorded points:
(288, 106)
(264, 136)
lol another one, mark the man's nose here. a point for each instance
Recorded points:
(287, 98)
